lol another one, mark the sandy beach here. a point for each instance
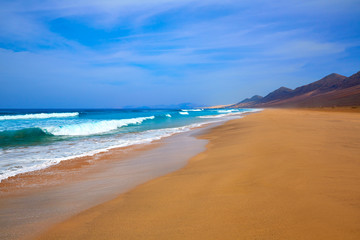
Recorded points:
(278, 174)
(179, 120)
(31, 203)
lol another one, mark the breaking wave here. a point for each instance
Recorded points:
(83, 149)
(184, 113)
(215, 116)
(91, 128)
(193, 110)
(230, 112)
(227, 111)
(39, 116)
(22, 137)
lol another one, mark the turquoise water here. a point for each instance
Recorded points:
(35, 139)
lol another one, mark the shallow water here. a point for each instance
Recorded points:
(35, 139)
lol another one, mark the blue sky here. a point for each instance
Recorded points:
(110, 54)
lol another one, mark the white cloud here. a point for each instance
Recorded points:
(306, 49)
(209, 45)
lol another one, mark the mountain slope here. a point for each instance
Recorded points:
(278, 94)
(255, 98)
(332, 90)
(328, 83)
(248, 101)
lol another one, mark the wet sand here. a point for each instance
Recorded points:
(30, 203)
(279, 174)
(69, 171)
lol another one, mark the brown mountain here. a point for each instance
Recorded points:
(332, 90)
(351, 81)
(278, 94)
(248, 101)
(328, 83)
(255, 98)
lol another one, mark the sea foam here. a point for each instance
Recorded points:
(184, 113)
(44, 157)
(230, 112)
(91, 128)
(95, 130)
(215, 116)
(227, 111)
(193, 110)
(39, 116)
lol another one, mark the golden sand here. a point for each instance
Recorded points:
(279, 174)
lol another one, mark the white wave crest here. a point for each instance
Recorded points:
(39, 116)
(184, 113)
(231, 113)
(93, 147)
(168, 115)
(227, 111)
(91, 128)
(214, 116)
(193, 110)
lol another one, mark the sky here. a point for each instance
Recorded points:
(111, 54)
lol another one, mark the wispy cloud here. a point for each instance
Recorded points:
(158, 47)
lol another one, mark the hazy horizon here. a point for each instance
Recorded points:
(113, 54)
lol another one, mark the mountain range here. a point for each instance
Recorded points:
(168, 106)
(331, 91)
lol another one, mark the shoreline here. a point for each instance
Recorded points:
(70, 169)
(280, 174)
(113, 173)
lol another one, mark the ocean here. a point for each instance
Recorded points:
(35, 139)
